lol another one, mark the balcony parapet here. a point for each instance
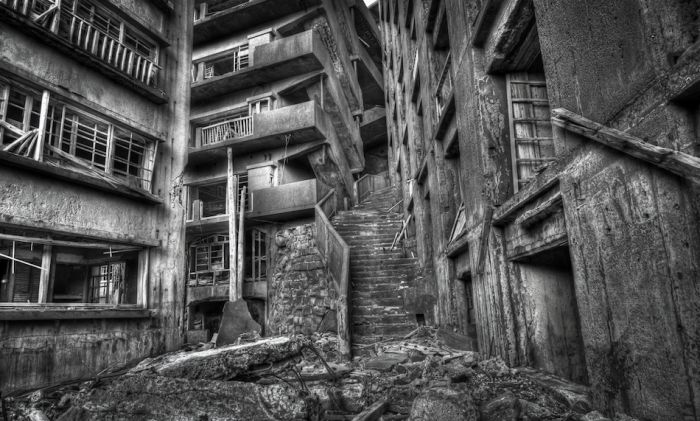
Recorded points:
(283, 58)
(213, 25)
(302, 123)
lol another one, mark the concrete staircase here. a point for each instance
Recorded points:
(378, 276)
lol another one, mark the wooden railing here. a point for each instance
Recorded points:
(230, 129)
(87, 37)
(369, 183)
(336, 254)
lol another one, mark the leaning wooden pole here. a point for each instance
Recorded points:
(231, 189)
(241, 241)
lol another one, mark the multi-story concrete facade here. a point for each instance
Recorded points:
(536, 145)
(283, 93)
(94, 103)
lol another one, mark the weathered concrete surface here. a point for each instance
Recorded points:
(235, 321)
(149, 397)
(443, 403)
(223, 363)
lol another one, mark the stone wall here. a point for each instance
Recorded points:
(300, 290)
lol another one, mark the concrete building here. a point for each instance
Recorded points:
(538, 145)
(286, 105)
(94, 103)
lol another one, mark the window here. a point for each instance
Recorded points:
(104, 146)
(532, 145)
(256, 254)
(74, 274)
(259, 106)
(221, 64)
(210, 200)
(209, 261)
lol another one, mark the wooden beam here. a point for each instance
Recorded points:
(679, 163)
(546, 208)
(45, 272)
(62, 243)
(231, 190)
(43, 116)
(142, 293)
(485, 232)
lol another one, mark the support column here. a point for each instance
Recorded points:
(45, 271)
(231, 189)
(241, 242)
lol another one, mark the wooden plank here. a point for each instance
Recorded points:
(45, 272)
(546, 208)
(17, 143)
(679, 163)
(231, 189)
(51, 312)
(43, 114)
(142, 293)
(14, 129)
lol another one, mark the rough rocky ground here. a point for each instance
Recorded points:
(301, 378)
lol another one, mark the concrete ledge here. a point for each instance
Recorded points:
(24, 311)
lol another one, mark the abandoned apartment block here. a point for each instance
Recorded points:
(519, 177)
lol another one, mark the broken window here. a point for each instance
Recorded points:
(532, 145)
(209, 200)
(104, 146)
(231, 125)
(209, 260)
(223, 63)
(31, 272)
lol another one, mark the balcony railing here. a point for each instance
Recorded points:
(444, 88)
(230, 129)
(86, 36)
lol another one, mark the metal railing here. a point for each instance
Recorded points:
(336, 254)
(369, 183)
(230, 129)
(89, 38)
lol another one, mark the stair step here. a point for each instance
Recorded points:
(388, 302)
(382, 329)
(381, 319)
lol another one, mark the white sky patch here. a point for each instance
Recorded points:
(370, 2)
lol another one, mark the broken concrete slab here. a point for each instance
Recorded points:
(575, 396)
(386, 361)
(224, 363)
(236, 321)
(505, 407)
(150, 397)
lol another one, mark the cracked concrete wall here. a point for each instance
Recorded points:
(37, 353)
(631, 229)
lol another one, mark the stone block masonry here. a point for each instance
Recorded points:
(301, 292)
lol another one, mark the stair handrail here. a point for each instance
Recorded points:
(336, 254)
(402, 232)
(368, 183)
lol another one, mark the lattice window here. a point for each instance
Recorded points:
(20, 108)
(532, 145)
(209, 260)
(256, 252)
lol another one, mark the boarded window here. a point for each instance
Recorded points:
(256, 254)
(532, 145)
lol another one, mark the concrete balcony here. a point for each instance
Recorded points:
(287, 201)
(246, 15)
(305, 122)
(299, 54)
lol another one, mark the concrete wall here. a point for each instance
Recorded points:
(37, 353)
(631, 228)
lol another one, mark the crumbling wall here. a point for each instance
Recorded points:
(301, 291)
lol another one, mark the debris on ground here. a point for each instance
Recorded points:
(420, 377)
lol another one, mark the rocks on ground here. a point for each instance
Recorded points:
(421, 377)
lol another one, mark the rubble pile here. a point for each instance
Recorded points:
(421, 377)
